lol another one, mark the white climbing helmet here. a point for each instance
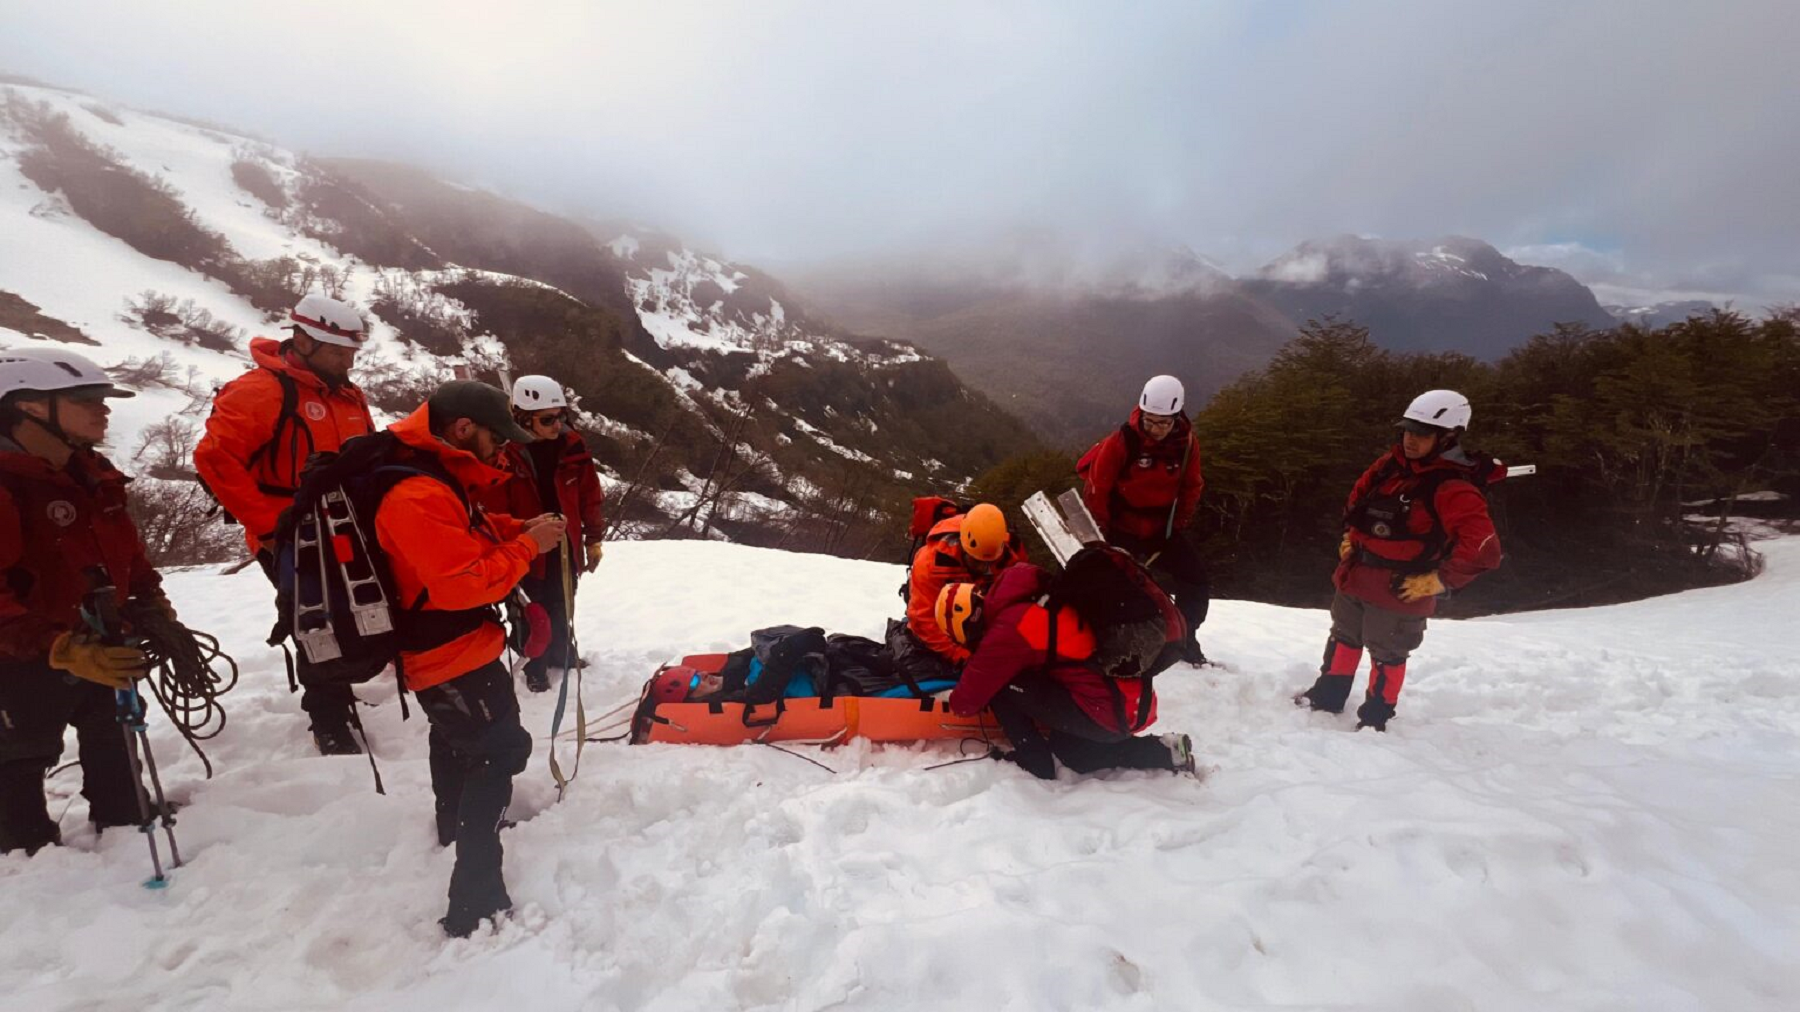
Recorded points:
(1440, 409)
(538, 393)
(45, 370)
(1162, 396)
(325, 319)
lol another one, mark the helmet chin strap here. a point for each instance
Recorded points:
(331, 382)
(53, 423)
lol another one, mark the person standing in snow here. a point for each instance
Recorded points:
(1142, 484)
(461, 561)
(1041, 670)
(972, 548)
(64, 535)
(298, 400)
(1416, 526)
(554, 473)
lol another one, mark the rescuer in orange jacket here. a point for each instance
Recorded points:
(1416, 526)
(970, 547)
(554, 473)
(1142, 483)
(65, 535)
(458, 558)
(298, 400)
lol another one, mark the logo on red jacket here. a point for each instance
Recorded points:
(315, 411)
(61, 512)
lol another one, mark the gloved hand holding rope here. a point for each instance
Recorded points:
(188, 670)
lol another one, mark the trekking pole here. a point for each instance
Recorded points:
(102, 615)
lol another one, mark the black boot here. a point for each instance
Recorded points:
(1375, 712)
(25, 822)
(1329, 693)
(537, 678)
(333, 739)
(1191, 652)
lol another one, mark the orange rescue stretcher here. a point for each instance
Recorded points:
(806, 720)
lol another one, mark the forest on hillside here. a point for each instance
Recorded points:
(1646, 441)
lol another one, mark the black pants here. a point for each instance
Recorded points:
(1042, 721)
(477, 747)
(549, 593)
(327, 704)
(1178, 569)
(36, 704)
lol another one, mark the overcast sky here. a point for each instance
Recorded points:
(1649, 145)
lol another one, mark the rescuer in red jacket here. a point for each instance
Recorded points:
(64, 535)
(553, 473)
(1142, 483)
(1416, 526)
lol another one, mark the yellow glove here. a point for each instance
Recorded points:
(594, 552)
(1420, 587)
(1344, 547)
(84, 656)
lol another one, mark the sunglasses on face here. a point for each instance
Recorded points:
(549, 418)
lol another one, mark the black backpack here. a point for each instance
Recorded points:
(1137, 629)
(335, 591)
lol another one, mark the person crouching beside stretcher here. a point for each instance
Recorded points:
(1060, 706)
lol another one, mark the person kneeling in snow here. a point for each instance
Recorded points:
(1044, 673)
(1416, 526)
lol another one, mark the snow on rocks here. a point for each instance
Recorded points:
(1585, 809)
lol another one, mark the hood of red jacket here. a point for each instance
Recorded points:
(1016, 583)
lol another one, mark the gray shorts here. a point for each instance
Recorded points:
(1388, 636)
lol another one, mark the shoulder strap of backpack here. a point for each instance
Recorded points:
(287, 415)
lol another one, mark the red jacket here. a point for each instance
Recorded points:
(54, 526)
(579, 497)
(1132, 484)
(939, 562)
(424, 528)
(1466, 547)
(1017, 640)
(243, 420)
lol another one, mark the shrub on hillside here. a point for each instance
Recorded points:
(255, 179)
(182, 320)
(176, 518)
(140, 210)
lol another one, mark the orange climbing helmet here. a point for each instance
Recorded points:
(959, 611)
(984, 533)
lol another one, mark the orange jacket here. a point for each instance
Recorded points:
(941, 561)
(243, 421)
(434, 553)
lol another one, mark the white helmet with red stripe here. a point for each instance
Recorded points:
(325, 319)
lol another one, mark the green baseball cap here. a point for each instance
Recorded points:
(486, 406)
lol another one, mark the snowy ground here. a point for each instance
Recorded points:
(1588, 809)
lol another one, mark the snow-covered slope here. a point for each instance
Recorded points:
(1575, 810)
